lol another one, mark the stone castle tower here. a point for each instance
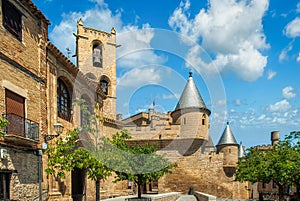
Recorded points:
(96, 59)
(230, 149)
(191, 113)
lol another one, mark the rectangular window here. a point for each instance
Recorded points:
(12, 19)
(4, 185)
(15, 113)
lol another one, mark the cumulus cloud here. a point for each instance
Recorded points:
(136, 49)
(288, 92)
(281, 106)
(101, 17)
(271, 74)
(292, 29)
(139, 77)
(231, 30)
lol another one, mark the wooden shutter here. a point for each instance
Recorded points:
(15, 112)
(15, 104)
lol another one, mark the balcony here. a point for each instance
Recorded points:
(20, 128)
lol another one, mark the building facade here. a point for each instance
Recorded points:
(38, 89)
(23, 98)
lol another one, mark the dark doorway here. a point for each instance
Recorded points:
(78, 184)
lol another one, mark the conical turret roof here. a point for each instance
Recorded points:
(190, 97)
(227, 136)
(241, 151)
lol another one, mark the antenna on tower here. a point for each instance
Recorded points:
(68, 52)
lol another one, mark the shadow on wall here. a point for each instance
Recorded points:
(25, 163)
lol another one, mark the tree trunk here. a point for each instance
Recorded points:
(98, 189)
(298, 192)
(139, 191)
(281, 192)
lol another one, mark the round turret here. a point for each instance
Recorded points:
(274, 137)
(229, 147)
(191, 113)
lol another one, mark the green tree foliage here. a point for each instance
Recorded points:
(100, 156)
(66, 155)
(138, 162)
(3, 123)
(279, 163)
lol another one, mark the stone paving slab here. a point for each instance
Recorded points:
(187, 198)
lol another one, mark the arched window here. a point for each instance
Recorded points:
(97, 54)
(104, 86)
(63, 101)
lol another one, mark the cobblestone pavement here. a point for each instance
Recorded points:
(187, 198)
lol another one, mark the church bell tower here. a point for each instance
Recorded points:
(96, 59)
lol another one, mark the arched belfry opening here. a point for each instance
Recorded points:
(105, 85)
(97, 54)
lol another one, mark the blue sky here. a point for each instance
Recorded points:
(245, 57)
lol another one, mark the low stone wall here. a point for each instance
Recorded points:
(157, 197)
(165, 196)
(204, 197)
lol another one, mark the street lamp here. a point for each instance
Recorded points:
(58, 127)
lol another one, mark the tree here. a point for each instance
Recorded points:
(66, 155)
(78, 150)
(3, 123)
(292, 144)
(279, 163)
(138, 163)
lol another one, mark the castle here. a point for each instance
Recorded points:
(37, 87)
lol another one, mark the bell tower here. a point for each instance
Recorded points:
(96, 59)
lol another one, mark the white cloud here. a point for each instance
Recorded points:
(102, 18)
(298, 58)
(136, 49)
(232, 30)
(139, 77)
(170, 96)
(238, 102)
(261, 117)
(271, 74)
(284, 53)
(292, 29)
(288, 93)
(281, 106)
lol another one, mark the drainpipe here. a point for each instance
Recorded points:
(39, 154)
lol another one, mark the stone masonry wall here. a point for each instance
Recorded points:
(203, 173)
(24, 178)
(23, 71)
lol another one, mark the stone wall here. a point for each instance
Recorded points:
(202, 172)
(204, 197)
(23, 71)
(24, 173)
